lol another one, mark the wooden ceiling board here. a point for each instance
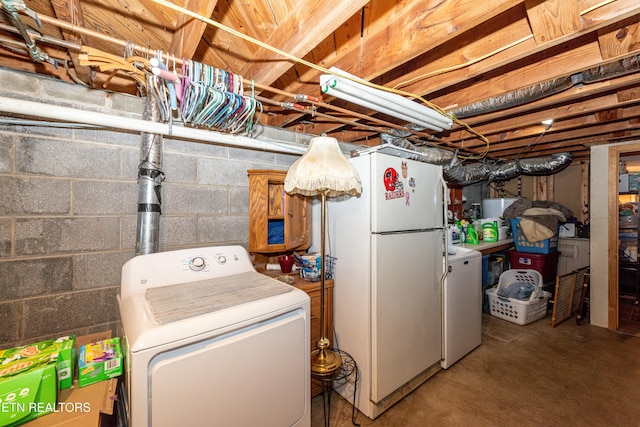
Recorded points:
(553, 19)
(189, 30)
(620, 39)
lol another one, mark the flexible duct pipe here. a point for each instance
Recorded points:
(150, 177)
(56, 112)
(542, 90)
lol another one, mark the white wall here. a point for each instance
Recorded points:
(599, 280)
(599, 228)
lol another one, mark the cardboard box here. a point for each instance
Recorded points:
(311, 266)
(99, 361)
(61, 351)
(90, 406)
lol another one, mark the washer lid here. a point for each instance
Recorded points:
(176, 302)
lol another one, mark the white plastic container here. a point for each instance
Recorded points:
(493, 208)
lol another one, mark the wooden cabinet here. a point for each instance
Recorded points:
(278, 222)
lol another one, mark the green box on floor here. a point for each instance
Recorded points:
(61, 351)
(28, 389)
(99, 361)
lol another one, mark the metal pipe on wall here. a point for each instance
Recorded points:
(150, 177)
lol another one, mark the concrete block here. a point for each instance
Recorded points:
(226, 173)
(191, 200)
(253, 155)
(70, 311)
(6, 154)
(34, 196)
(100, 270)
(131, 106)
(117, 137)
(23, 83)
(66, 159)
(62, 93)
(206, 149)
(43, 236)
(128, 231)
(180, 168)
(223, 229)
(34, 277)
(239, 200)
(178, 230)
(105, 198)
(42, 131)
(5, 238)
(10, 314)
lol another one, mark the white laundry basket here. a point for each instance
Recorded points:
(515, 310)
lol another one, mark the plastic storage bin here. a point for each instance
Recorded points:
(523, 245)
(514, 310)
(545, 264)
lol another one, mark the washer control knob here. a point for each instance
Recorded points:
(197, 264)
(222, 259)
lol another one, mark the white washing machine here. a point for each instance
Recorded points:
(211, 342)
(462, 301)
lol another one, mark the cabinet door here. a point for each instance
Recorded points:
(298, 222)
(278, 222)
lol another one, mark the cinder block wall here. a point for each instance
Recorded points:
(68, 208)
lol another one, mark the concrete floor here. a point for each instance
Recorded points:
(531, 375)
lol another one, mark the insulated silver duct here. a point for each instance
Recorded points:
(476, 172)
(432, 155)
(150, 177)
(514, 98)
(542, 90)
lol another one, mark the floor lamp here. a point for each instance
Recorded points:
(323, 170)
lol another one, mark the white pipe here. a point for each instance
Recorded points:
(56, 112)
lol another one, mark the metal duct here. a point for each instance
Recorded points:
(476, 172)
(454, 171)
(432, 155)
(458, 173)
(542, 90)
(514, 98)
(150, 177)
(545, 165)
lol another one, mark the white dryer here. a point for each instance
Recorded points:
(211, 342)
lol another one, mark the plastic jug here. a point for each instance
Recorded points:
(490, 229)
(472, 236)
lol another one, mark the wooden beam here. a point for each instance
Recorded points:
(552, 19)
(309, 22)
(71, 11)
(189, 31)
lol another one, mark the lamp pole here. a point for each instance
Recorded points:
(323, 361)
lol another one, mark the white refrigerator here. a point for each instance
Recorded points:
(389, 245)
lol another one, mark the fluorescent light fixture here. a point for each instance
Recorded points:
(384, 102)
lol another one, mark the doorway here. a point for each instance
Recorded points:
(628, 238)
(624, 272)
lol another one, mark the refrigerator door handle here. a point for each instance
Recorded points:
(420, 230)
